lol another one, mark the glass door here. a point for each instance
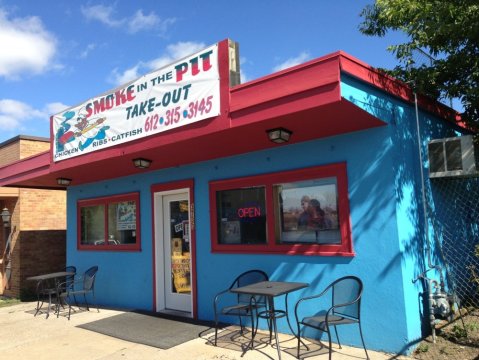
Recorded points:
(177, 258)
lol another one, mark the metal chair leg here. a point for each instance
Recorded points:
(254, 328)
(299, 340)
(330, 344)
(362, 340)
(241, 325)
(216, 327)
(94, 301)
(337, 336)
(86, 302)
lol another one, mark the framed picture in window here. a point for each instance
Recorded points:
(308, 211)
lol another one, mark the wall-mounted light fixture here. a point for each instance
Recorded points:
(141, 163)
(279, 135)
(6, 217)
(63, 181)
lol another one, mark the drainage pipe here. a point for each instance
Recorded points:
(426, 223)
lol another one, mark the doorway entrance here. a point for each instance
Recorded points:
(173, 252)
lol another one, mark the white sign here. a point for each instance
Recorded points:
(176, 95)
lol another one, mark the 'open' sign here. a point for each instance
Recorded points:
(249, 212)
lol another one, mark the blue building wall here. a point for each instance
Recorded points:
(418, 249)
(385, 215)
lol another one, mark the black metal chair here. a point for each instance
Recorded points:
(240, 305)
(69, 279)
(46, 289)
(83, 286)
(345, 309)
(67, 283)
(50, 289)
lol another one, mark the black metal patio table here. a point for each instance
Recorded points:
(44, 287)
(272, 289)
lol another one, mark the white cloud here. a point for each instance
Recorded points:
(140, 22)
(137, 22)
(89, 48)
(244, 77)
(16, 115)
(304, 56)
(118, 78)
(101, 13)
(27, 47)
(173, 53)
(54, 108)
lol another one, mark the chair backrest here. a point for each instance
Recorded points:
(347, 290)
(247, 278)
(70, 279)
(89, 278)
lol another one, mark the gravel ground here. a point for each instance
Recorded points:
(451, 340)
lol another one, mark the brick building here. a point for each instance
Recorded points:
(37, 228)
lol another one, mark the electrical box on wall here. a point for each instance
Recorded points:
(455, 156)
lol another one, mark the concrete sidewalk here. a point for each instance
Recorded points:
(23, 336)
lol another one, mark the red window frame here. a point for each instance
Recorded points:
(105, 201)
(338, 171)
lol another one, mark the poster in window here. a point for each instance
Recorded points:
(231, 232)
(180, 268)
(126, 215)
(309, 211)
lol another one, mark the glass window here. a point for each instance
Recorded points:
(303, 212)
(241, 215)
(109, 223)
(92, 224)
(307, 212)
(122, 222)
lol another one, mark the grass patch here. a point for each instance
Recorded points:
(422, 348)
(4, 301)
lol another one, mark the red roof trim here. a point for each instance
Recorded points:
(294, 98)
(38, 164)
(393, 86)
(291, 82)
(333, 56)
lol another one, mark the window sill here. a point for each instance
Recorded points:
(309, 250)
(120, 248)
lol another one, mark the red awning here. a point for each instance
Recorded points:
(305, 99)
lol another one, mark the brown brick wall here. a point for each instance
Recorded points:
(36, 252)
(38, 225)
(9, 153)
(21, 149)
(32, 147)
(42, 209)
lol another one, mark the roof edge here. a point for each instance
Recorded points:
(286, 71)
(35, 161)
(24, 137)
(378, 78)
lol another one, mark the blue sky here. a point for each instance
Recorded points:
(57, 54)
